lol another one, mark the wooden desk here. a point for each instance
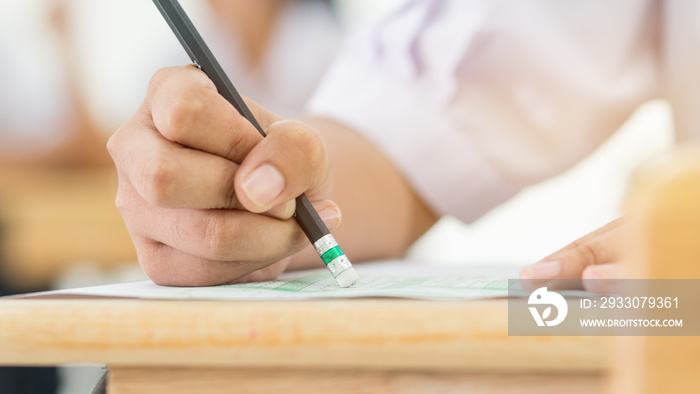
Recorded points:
(338, 346)
(353, 346)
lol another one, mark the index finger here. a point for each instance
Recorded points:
(187, 109)
(598, 247)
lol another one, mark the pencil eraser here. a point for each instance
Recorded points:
(346, 278)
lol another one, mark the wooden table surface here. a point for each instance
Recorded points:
(341, 346)
(394, 344)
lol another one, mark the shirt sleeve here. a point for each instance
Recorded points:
(474, 100)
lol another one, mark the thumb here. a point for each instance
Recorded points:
(291, 160)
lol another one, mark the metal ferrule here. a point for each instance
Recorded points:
(338, 265)
(324, 244)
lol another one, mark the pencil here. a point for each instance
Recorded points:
(326, 246)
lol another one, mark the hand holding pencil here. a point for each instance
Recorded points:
(216, 189)
(206, 199)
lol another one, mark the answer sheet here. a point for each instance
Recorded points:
(386, 279)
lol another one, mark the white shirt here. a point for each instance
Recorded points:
(474, 100)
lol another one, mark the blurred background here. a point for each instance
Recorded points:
(72, 71)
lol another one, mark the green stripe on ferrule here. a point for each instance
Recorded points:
(332, 254)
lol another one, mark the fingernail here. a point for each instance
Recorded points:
(330, 217)
(548, 270)
(263, 185)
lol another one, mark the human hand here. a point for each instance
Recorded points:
(596, 258)
(204, 197)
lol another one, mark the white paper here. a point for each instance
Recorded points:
(397, 279)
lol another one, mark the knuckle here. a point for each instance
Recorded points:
(218, 238)
(159, 180)
(126, 200)
(118, 142)
(307, 142)
(113, 145)
(159, 79)
(181, 114)
(589, 254)
(171, 73)
(121, 202)
(160, 76)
